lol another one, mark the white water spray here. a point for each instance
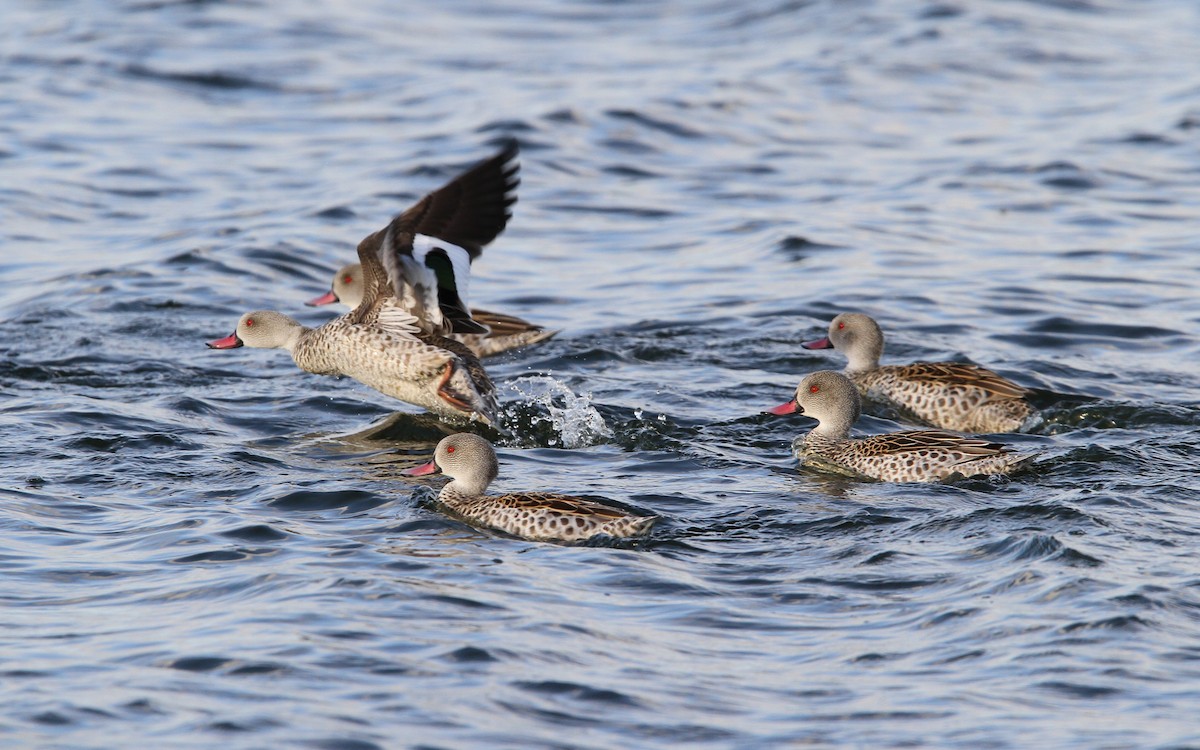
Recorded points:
(572, 417)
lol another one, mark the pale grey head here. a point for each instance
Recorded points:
(830, 398)
(348, 284)
(262, 329)
(469, 460)
(347, 288)
(857, 336)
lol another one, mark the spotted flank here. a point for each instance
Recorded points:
(470, 462)
(910, 456)
(504, 332)
(949, 395)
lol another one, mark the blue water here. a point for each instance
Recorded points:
(211, 549)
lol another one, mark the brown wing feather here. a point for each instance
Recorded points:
(469, 211)
(472, 209)
(376, 286)
(500, 324)
(559, 503)
(964, 373)
(910, 440)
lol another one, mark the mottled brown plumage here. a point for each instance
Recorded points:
(909, 456)
(419, 263)
(504, 332)
(390, 355)
(950, 395)
(470, 461)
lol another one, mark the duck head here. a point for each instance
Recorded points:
(466, 458)
(857, 336)
(262, 329)
(347, 288)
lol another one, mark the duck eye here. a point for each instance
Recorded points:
(449, 448)
(249, 322)
(841, 325)
(814, 389)
(347, 279)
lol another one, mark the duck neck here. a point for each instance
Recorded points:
(864, 349)
(293, 338)
(459, 491)
(832, 430)
(863, 359)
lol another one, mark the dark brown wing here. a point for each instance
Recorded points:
(962, 373)
(469, 211)
(472, 209)
(500, 324)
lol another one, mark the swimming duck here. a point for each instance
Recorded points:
(949, 395)
(470, 461)
(910, 456)
(414, 290)
(504, 332)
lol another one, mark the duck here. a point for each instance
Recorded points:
(415, 277)
(833, 400)
(504, 332)
(948, 395)
(390, 354)
(470, 462)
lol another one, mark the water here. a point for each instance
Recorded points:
(212, 549)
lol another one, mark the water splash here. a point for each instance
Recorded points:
(549, 413)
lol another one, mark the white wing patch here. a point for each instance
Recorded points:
(420, 286)
(397, 321)
(415, 283)
(460, 261)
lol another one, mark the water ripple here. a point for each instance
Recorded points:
(230, 548)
